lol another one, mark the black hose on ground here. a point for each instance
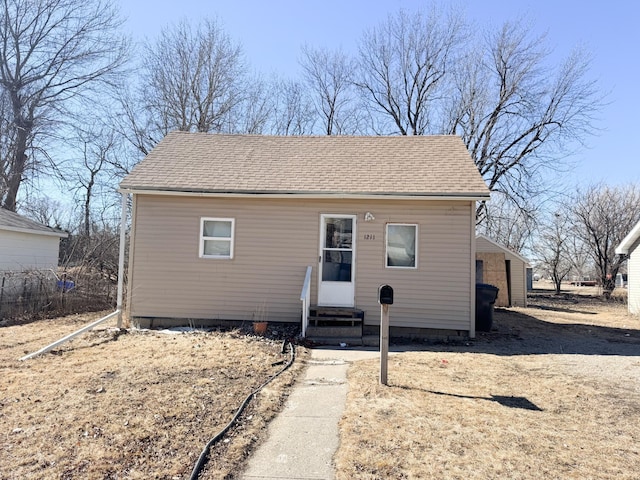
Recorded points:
(202, 459)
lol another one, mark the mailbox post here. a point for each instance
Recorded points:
(385, 298)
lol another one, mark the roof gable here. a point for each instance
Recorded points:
(503, 248)
(11, 221)
(628, 241)
(423, 166)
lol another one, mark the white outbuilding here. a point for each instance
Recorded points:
(26, 244)
(630, 247)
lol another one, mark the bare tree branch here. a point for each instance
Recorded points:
(293, 112)
(553, 248)
(329, 77)
(53, 52)
(192, 80)
(403, 65)
(602, 217)
(516, 114)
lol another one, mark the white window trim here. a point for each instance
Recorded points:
(386, 246)
(231, 239)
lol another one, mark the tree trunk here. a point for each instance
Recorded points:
(87, 207)
(17, 171)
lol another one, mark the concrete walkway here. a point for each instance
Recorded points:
(303, 438)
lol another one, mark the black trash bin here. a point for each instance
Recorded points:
(485, 298)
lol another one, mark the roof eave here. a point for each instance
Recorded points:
(51, 233)
(504, 249)
(469, 196)
(629, 240)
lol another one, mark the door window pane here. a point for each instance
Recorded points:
(336, 266)
(337, 256)
(338, 232)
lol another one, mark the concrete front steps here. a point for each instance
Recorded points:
(335, 325)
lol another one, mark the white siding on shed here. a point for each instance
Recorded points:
(633, 284)
(21, 251)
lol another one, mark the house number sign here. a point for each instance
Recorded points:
(369, 236)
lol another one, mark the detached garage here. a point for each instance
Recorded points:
(504, 268)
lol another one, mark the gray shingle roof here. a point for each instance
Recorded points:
(17, 223)
(312, 165)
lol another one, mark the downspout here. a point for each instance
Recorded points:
(123, 238)
(118, 311)
(71, 336)
(472, 276)
(526, 285)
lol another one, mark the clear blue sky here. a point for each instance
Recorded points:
(272, 32)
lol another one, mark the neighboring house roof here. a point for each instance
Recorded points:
(629, 240)
(203, 163)
(505, 249)
(13, 222)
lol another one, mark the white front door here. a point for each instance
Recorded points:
(336, 286)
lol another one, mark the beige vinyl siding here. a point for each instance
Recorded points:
(436, 294)
(633, 284)
(275, 240)
(518, 273)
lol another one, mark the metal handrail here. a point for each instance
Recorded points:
(305, 298)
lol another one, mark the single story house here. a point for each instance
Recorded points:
(26, 244)
(504, 268)
(630, 246)
(226, 227)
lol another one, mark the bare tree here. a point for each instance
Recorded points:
(192, 79)
(293, 111)
(580, 256)
(54, 52)
(96, 254)
(252, 113)
(7, 142)
(97, 146)
(516, 113)
(552, 248)
(329, 77)
(403, 66)
(509, 224)
(47, 211)
(133, 126)
(603, 215)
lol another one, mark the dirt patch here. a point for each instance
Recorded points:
(140, 404)
(552, 392)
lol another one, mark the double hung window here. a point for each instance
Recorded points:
(216, 237)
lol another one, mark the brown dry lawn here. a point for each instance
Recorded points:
(135, 405)
(552, 392)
